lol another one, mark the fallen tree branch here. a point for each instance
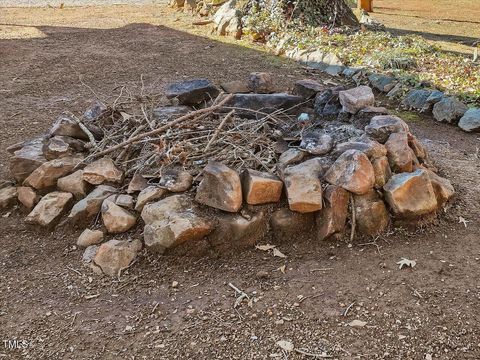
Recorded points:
(219, 128)
(165, 127)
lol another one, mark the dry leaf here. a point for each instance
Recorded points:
(357, 323)
(278, 253)
(282, 268)
(265, 247)
(285, 345)
(125, 116)
(463, 221)
(407, 263)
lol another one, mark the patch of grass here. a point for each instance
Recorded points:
(408, 116)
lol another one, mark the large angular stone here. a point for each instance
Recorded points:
(102, 170)
(289, 157)
(382, 82)
(411, 194)
(260, 188)
(371, 215)
(417, 99)
(356, 99)
(289, 226)
(470, 121)
(418, 148)
(47, 174)
(353, 172)
(138, 183)
(333, 217)
(26, 159)
(61, 146)
(317, 143)
(90, 237)
(261, 83)
(382, 126)
(235, 87)
(116, 255)
(84, 210)
(327, 102)
(147, 195)
(125, 201)
(27, 197)
(176, 180)
(173, 221)
(67, 126)
(49, 208)
(220, 188)
(399, 153)
(8, 197)
(74, 184)
(266, 103)
(192, 92)
(442, 187)
(369, 147)
(382, 171)
(234, 231)
(304, 189)
(449, 109)
(307, 88)
(116, 219)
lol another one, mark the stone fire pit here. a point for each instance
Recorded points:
(199, 167)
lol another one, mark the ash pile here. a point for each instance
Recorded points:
(224, 168)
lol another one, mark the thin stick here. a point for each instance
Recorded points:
(320, 356)
(354, 219)
(219, 128)
(165, 127)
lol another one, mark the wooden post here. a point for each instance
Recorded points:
(365, 5)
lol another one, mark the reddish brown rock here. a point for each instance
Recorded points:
(353, 172)
(371, 214)
(410, 194)
(102, 171)
(442, 187)
(90, 237)
(8, 197)
(261, 83)
(84, 210)
(382, 126)
(138, 183)
(236, 231)
(147, 195)
(116, 255)
(356, 99)
(260, 188)
(382, 171)
(47, 174)
(236, 87)
(220, 188)
(399, 153)
(304, 189)
(417, 147)
(332, 218)
(27, 197)
(288, 226)
(173, 221)
(49, 208)
(28, 157)
(74, 184)
(116, 219)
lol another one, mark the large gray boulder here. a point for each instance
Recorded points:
(470, 121)
(192, 92)
(449, 109)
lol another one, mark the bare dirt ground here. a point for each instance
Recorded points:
(63, 311)
(453, 25)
